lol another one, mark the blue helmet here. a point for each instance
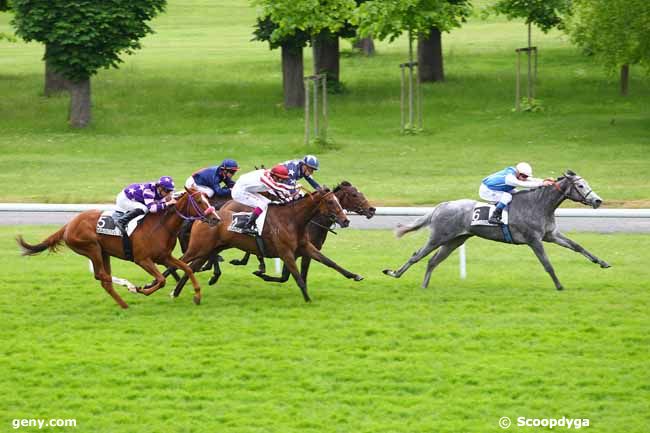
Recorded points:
(229, 164)
(311, 161)
(166, 182)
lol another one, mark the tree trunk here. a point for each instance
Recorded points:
(625, 79)
(326, 56)
(79, 116)
(366, 45)
(292, 77)
(430, 56)
(54, 82)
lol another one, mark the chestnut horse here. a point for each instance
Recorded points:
(351, 199)
(153, 242)
(284, 235)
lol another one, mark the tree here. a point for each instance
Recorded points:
(289, 20)
(545, 14)
(616, 32)
(5, 7)
(82, 36)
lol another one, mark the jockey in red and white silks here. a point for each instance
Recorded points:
(248, 187)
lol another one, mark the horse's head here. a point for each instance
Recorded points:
(577, 189)
(194, 205)
(329, 205)
(353, 200)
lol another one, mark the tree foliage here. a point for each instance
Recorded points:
(545, 14)
(83, 36)
(390, 18)
(292, 18)
(617, 32)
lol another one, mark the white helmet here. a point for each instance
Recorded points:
(525, 168)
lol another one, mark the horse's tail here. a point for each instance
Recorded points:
(52, 243)
(403, 229)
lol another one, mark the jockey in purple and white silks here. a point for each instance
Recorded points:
(209, 180)
(249, 186)
(497, 187)
(303, 169)
(142, 198)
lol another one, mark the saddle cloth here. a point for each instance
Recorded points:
(481, 214)
(240, 218)
(106, 223)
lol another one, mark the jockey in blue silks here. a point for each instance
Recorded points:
(209, 180)
(142, 198)
(302, 169)
(497, 187)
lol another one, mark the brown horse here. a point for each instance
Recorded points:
(153, 242)
(351, 199)
(284, 235)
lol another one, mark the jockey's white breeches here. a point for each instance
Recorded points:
(494, 196)
(252, 199)
(191, 183)
(125, 205)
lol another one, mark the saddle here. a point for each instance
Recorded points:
(239, 220)
(482, 212)
(106, 226)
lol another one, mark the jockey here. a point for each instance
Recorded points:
(209, 180)
(249, 186)
(302, 169)
(142, 198)
(497, 187)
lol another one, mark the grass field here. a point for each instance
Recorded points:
(200, 91)
(381, 355)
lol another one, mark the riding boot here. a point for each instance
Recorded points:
(249, 227)
(123, 221)
(496, 216)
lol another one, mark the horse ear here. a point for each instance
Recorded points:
(570, 173)
(346, 183)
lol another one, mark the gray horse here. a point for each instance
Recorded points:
(531, 221)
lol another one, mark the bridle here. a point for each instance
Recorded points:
(191, 201)
(573, 183)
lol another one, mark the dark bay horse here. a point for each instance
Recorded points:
(351, 199)
(284, 235)
(153, 242)
(531, 221)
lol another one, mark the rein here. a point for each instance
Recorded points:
(196, 207)
(329, 229)
(572, 185)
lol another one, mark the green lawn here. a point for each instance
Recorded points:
(200, 91)
(381, 355)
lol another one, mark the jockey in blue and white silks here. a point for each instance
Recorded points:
(497, 187)
(142, 198)
(209, 180)
(302, 169)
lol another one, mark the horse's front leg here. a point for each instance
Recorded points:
(289, 260)
(558, 238)
(241, 262)
(172, 261)
(314, 253)
(159, 280)
(538, 248)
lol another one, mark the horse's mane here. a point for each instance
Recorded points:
(344, 183)
(298, 200)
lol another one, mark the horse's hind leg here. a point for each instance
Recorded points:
(440, 255)
(416, 257)
(149, 266)
(102, 269)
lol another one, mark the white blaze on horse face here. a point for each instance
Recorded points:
(340, 208)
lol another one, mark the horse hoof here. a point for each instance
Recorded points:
(357, 278)
(605, 265)
(213, 280)
(171, 295)
(389, 272)
(560, 288)
(197, 300)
